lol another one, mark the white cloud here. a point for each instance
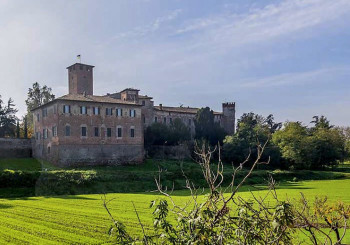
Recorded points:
(296, 78)
(266, 23)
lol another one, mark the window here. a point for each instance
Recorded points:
(119, 112)
(48, 149)
(109, 132)
(81, 67)
(45, 133)
(108, 111)
(155, 119)
(38, 117)
(54, 131)
(132, 133)
(66, 109)
(164, 119)
(144, 119)
(170, 120)
(37, 135)
(67, 130)
(119, 132)
(97, 132)
(96, 110)
(132, 113)
(189, 122)
(44, 112)
(83, 131)
(143, 102)
(83, 110)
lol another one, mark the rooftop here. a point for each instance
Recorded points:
(80, 64)
(89, 98)
(181, 109)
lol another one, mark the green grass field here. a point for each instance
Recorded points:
(82, 219)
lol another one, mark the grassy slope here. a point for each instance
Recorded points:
(82, 219)
(28, 177)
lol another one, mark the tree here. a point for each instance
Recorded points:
(251, 128)
(25, 128)
(173, 134)
(321, 122)
(311, 148)
(293, 143)
(37, 96)
(206, 128)
(7, 118)
(18, 135)
(326, 147)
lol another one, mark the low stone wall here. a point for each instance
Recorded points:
(15, 148)
(176, 152)
(82, 155)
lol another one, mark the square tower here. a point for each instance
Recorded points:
(80, 79)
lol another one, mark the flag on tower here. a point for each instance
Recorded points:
(79, 57)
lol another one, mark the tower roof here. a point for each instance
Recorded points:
(80, 64)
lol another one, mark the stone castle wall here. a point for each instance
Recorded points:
(15, 148)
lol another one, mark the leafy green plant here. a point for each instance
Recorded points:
(222, 217)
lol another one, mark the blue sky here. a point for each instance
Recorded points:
(289, 58)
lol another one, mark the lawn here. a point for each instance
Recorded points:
(82, 219)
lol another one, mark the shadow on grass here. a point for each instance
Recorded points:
(244, 188)
(4, 206)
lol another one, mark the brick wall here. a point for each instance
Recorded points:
(15, 148)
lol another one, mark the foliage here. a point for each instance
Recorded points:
(162, 134)
(228, 219)
(251, 128)
(36, 97)
(7, 118)
(206, 127)
(313, 148)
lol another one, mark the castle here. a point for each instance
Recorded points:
(83, 128)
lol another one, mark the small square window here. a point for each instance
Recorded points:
(83, 110)
(66, 109)
(108, 111)
(119, 112)
(96, 110)
(132, 113)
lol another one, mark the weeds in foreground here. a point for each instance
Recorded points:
(228, 219)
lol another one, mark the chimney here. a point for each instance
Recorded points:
(161, 106)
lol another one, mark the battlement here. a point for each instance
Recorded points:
(228, 104)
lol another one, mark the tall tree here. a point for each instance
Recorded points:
(18, 131)
(206, 127)
(37, 96)
(251, 128)
(7, 118)
(321, 122)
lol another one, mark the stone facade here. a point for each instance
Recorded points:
(81, 128)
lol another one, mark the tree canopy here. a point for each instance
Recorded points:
(206, 127)
(7, 118)
(36, 97)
